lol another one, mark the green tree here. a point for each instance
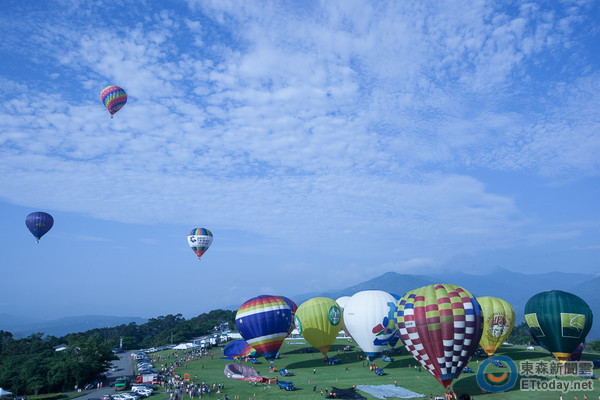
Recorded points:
(594, 345)
(520, 335)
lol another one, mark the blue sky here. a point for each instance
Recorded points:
(323, 144)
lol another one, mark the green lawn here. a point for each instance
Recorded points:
(326, 376)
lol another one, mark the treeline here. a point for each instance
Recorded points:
(31, 365)
(520, 335)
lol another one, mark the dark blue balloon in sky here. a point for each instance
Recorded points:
(39, 223)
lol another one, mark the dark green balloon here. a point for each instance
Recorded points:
(558, 321)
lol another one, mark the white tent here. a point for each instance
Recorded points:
(4, 392)
(185, 346)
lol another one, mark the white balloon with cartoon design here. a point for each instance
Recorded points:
(369, 317)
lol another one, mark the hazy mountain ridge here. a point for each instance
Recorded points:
(514, 287)
(24, 326)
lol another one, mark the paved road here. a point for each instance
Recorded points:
(125, 365)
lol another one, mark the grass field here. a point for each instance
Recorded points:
(325, 376)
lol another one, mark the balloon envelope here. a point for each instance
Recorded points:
(498, 322)
(239, 349)
(559, 321)
(369, 316)
(318, 320)
(113, 98)
(264, 322)
(440, 325)
(39, 223)
(342, 303)
(200, 240)
(293, 307)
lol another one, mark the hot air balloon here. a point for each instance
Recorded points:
(318, 320)
(576, 355)
(440, 325)
(369, 316)
(342, 303)
(239, 349)
(114, 98)
(498, 322)
(264, 322)
(39, 223)
(199, 240)
(559, 321)
(293, 307)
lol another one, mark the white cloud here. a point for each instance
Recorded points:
(278, 119)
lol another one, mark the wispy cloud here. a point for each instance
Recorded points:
(325, 117)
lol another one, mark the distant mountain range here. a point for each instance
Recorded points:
(514, 287)
(25, 326)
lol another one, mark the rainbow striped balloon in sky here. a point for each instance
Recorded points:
(114, 98)
(200, 240)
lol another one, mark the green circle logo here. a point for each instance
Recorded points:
(335, 315)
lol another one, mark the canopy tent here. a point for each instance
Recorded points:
(4, 392)
(185, 346)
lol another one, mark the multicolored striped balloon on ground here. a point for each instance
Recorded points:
(113, 98)
(293, 307)
(239, 349)
(440, 325)
(264, 322)
(200, 240)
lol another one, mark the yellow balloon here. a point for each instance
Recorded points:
(318, 320)
(498, 322)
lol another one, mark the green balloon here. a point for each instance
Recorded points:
(558, 321)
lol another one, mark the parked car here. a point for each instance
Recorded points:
(286, 385)
(285, 372)
(386, 358)
(143, 392)
(331, 360)
(380, 371)
(467, 370)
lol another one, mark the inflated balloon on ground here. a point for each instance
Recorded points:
(369, 317)
(293, 307)
(342, 303)
(498, 322)
(318, 320)
(559, 321)
(264, 322)
(440, 326)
